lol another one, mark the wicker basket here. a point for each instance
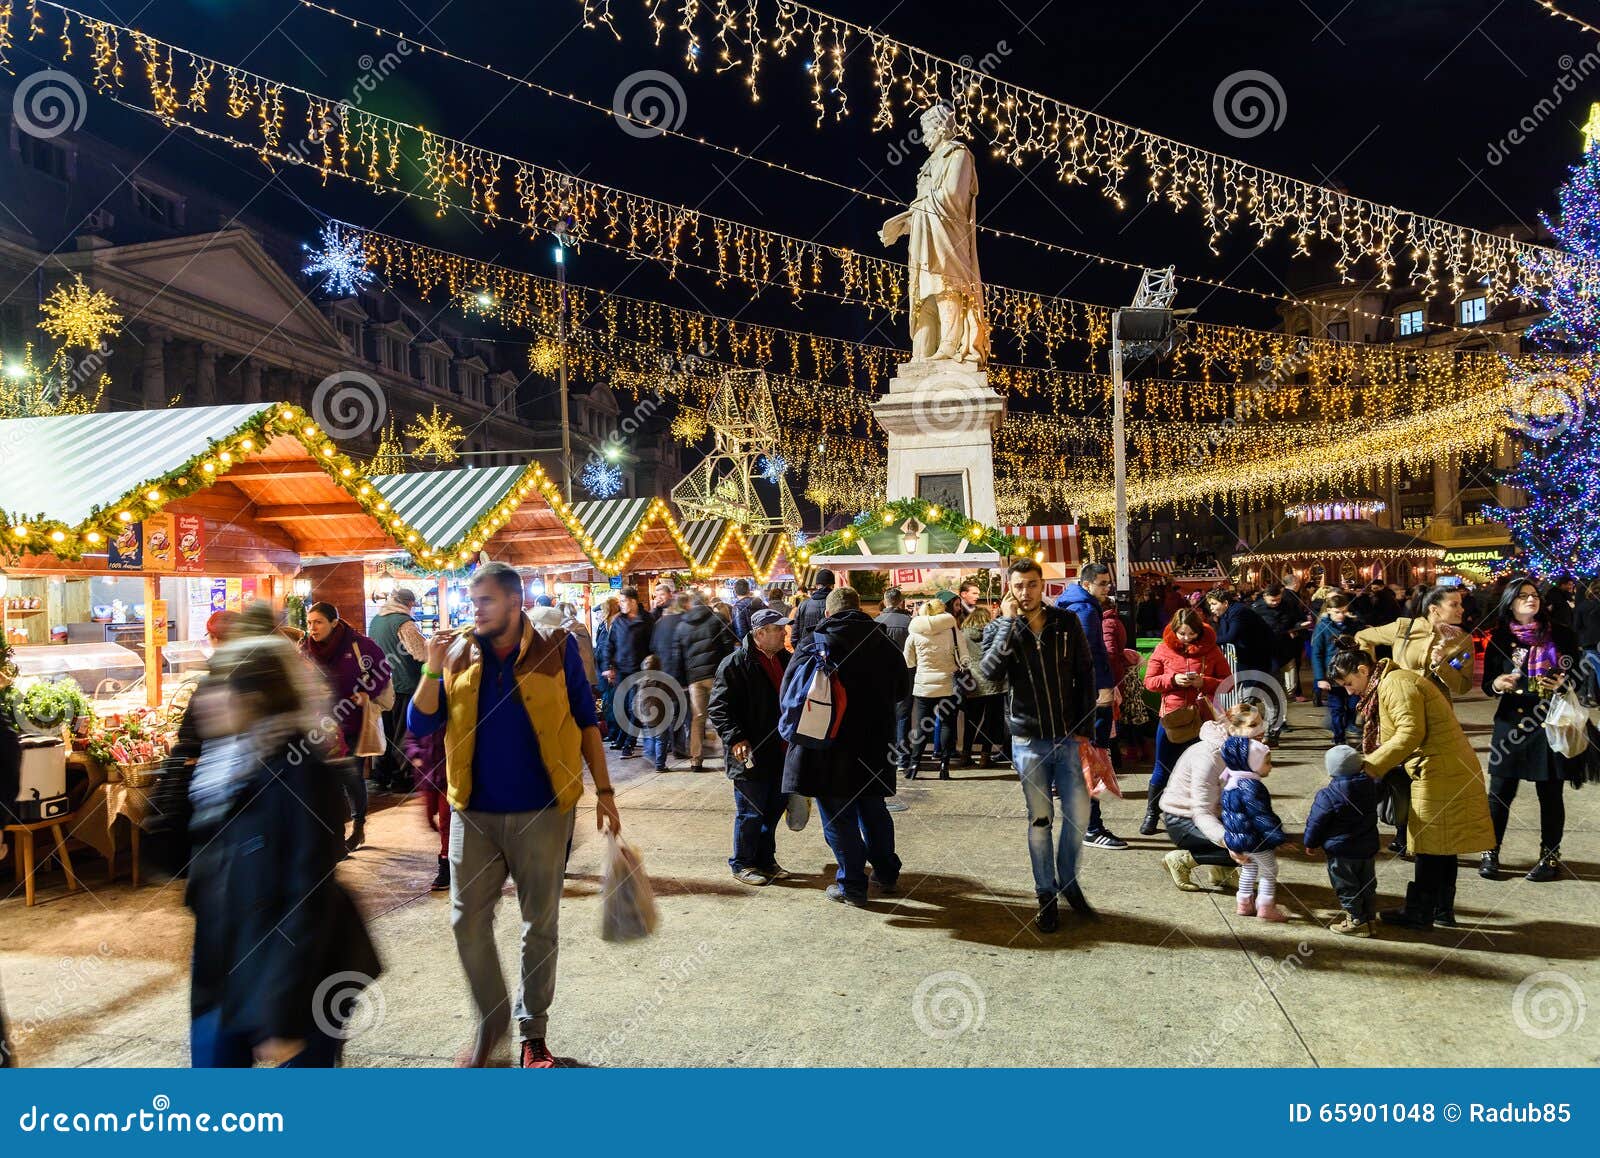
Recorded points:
(140, 775)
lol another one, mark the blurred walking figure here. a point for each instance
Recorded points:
(357, 671)
(280, 949)
(702, 642)
(519, 724)
(395, 630)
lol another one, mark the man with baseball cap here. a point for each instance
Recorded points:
(744, 712)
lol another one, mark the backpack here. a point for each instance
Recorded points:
(812, 705)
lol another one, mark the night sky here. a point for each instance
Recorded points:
(1399, 102)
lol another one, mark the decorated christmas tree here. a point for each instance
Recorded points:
(1553, 401)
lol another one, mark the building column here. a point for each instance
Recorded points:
(1445, 493)
(153, 372)
(205, 374)
(1505, 457)
(250, 379)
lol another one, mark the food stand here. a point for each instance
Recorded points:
(1338, 541)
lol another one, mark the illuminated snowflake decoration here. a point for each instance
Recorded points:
(77, 316)
(341, 262)
(689, 426)
(773, 467)
(544, 357)
(437, 436)
(602, 479)
(799, 538)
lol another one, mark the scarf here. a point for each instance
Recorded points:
(1367, 709)
(329, 651)
(1543, 659)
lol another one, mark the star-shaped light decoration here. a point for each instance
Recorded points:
(77, 316)
(602, 479)
(544, 357)
(437, 436)
(341, 262)
(773, 467)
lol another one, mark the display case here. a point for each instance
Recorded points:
(112, 675)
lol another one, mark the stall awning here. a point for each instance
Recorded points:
(703, 537)
(1058, 541)
(443, 506)
(610, 522)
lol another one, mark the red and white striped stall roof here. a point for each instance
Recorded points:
(1059, 540)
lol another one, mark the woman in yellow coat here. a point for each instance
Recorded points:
(1433, 644)
(1408, 722)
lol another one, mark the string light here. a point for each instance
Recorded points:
(1027, 128)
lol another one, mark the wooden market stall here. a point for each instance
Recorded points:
(1344, 545)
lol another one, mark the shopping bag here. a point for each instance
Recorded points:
(1098, 775)
(798, 813)
(1565, 724)
(627, 903)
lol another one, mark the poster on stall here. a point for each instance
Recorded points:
(189, 531)
(233, 595)
(907, 577)
(199, 607)
(158, 626)
(219, 595)
(127, 549)
(160, 551)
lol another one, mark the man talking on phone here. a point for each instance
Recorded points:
(519, 724)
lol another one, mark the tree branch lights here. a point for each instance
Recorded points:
(1024, 128)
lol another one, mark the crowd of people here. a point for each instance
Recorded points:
(813, 701)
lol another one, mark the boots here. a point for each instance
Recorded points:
(1049, 918)
(1489, 865)
(441, 880)
(1444, 906)
(1180, 863)
(1151, 824)
(1417, 912)
(944, 768)
(1079, 903)
(357, 837)
(1549, 866)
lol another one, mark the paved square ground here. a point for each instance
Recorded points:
(948, 973)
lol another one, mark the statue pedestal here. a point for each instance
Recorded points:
(940, 418)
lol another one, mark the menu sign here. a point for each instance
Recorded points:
(127, 549)
(160, 552)
(158, 626)
(189, 532)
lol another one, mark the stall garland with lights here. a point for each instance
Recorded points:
(896, 511)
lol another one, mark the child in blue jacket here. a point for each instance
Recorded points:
(1251, 830)
(1336, 620)
(1344, 823)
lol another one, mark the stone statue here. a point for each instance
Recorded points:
(947, 322)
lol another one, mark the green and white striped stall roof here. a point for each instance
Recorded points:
(764, 548)
(443, 505)
(703, 535)
(609, 522)
(68, 466)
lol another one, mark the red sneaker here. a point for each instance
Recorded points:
(537, 1056)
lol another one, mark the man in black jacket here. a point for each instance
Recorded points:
(1043, 655)
(744, 711)
(896, 623)
(1254, 654)
(701, 643)
(813, 610)
(851, 778)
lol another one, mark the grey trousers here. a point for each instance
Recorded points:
(530, 848)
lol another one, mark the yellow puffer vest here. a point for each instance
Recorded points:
(542, 682)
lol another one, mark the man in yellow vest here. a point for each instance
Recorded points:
(519, 724)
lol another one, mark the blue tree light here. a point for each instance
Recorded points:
(773, 467)
(341, 262)
(602, 479)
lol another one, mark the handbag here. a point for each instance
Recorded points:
(372, 741)
(966, 684)
(1394, 798)
(1181, 724)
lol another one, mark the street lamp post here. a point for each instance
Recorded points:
(566, 422)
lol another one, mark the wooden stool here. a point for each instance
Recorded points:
(26, 867)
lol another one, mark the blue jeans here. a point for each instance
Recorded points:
(1341, 712)
(1040, 764)
(656, 749)
(860, 831)
(1167, 753)
(212, 1048)
(353, 776)
(758, 806)
(902, 728)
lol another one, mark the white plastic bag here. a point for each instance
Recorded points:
(798, 813)
(627, 903)
(1566, 725)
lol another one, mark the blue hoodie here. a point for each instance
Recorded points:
(1322, 642)
(1079, 600)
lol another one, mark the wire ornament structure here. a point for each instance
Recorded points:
(744, 425)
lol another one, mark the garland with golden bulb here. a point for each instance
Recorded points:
(1025, 128)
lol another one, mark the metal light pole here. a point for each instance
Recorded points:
(1119, 440)
(566, 422)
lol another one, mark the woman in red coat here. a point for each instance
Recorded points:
(1185, 669)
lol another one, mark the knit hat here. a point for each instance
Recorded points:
(1242, 754)
(1342, 761)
